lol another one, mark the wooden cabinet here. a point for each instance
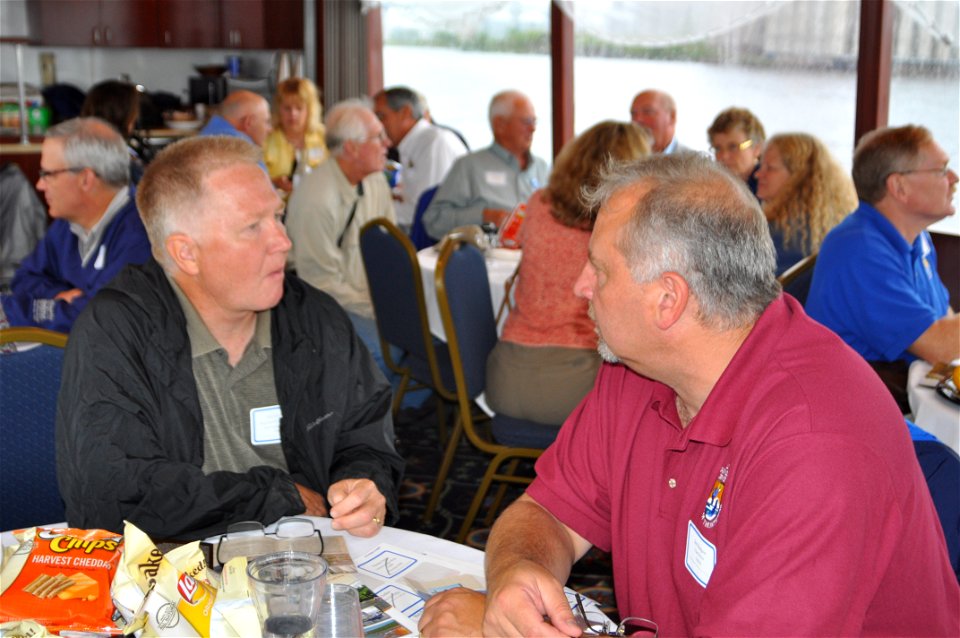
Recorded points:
(99, 23)
(183, 24)
(189, 24)
(261, 24)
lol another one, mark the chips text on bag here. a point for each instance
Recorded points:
(60, 577)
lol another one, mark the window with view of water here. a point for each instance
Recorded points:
(792, 62)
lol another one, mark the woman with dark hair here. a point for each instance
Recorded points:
(118, 104)
(547, 359)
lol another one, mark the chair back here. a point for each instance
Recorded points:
(396, 290)
(797, 278)
(418, 232)
(941, 468)
(29, 384)
(463, 296)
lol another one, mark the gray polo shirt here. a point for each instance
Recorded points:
(241, 414)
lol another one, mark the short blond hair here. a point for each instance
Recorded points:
(172, 189)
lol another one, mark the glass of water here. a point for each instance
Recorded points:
(286, 589)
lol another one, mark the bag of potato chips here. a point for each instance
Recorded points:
(60, 578)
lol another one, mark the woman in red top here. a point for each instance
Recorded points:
(547, 359)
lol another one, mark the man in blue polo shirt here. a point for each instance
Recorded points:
(876, 283)
(243, 114)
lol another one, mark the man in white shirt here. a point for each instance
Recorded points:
(426, 151)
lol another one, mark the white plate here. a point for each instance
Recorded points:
(183, 125)
(506, 254)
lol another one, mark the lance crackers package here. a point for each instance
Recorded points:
(60, 578)
(165, 595)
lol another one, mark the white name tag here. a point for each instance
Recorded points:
(496, 178)
(265, 425)
(701, 556)
(101, 260)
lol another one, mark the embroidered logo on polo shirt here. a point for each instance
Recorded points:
(715, 501)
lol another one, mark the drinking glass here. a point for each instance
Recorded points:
(286, 589)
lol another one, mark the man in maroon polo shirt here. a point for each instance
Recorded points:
(748, 471)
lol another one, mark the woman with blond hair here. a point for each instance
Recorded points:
(296, 144)
(546, 359)
(804, 192)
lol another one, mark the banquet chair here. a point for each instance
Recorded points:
(941, 469)
(797, 278)
(396, 290)
(418, 232)
(463, 295)
(29, 383)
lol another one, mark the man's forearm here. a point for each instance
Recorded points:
(526, 531)
(940, 342)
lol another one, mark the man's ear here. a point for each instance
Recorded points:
(88, 179)
(349, 150)
(896, 187)
(673, 296)
(183, 251)
(496, 125)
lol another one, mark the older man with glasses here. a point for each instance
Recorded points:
(85, 179)
(332, 203)
(486, 185)
(876, 282)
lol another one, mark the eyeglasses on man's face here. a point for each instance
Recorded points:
(942, 171)
(44, 174)
(378, 137)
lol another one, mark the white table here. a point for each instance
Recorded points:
(932, 412)
(441, 561)
(499, 270)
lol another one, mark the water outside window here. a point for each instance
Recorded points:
(791, 62)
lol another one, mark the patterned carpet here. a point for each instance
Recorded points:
(418, 442)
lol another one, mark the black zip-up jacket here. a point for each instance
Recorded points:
(130, 430)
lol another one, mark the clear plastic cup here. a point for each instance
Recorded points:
(287, 588)
(340, 615)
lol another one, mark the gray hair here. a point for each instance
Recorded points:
(400, 96)
(702, 223)
(346, 121)
(502, 104)
(93, 143)
(173, 191)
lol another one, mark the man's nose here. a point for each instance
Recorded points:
(583, 286)
(282, 241)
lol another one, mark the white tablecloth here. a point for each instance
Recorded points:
(932, 412)
(402, 547)
(498, 271)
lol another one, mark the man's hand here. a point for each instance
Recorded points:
(69, 295)
(495, 215)
(314, 502)
(523, 596)
(454, 612)
(357, 506)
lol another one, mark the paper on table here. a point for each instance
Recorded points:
(407, 579)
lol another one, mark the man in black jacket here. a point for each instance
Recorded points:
(206, 387)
